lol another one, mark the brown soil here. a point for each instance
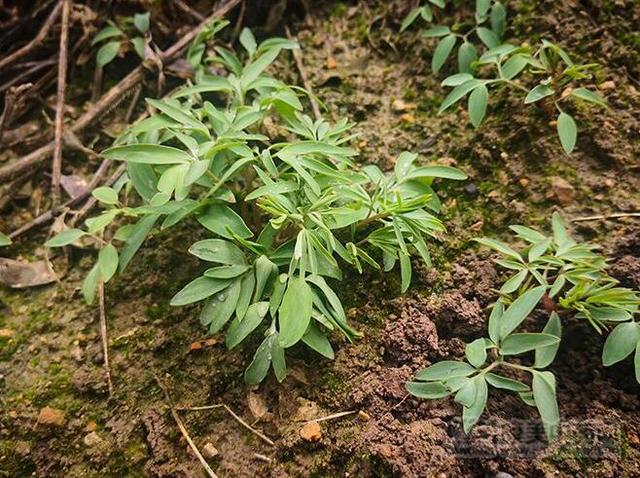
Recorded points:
(54, 356)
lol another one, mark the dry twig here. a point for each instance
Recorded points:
(303, 76)
(238, 419)
(333, 416)
(616, 215)
(37, 40)
(111, 97)
(183, 429)
(56, 167)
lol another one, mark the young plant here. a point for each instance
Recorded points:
(570, 280)
(558, 81)
(488, 25)
(285, 212)
(128, 32)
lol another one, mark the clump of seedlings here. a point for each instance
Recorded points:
(570, 281)
(283, 214)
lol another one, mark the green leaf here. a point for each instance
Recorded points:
(588, 95)
(636, 362)
(224, 221)
(259, 366)
(136, 238)
(482, 8)
(445, 172)
(472, 413)
(514, 282)
(403, 164)
(219, 308)
(560, 234)
(487, 37)
(459, 92)
(427, 390)
(247, 287)
(513, 66)
(280, 187)
(295, 311)
(95, 224)
(516, 344)
(178, 114)
(240, 329)
(148, 154)
(108, 262)
(198, 289)
(278, 360)
(519, 310)
(500, 247)
(476, 352)
(218, 250)
(107, 32)
(544, 393)
(301, 148)
(405, 271)
(457, 79)
(505, 383)
(537, 93)
(498, 19)
(226, 272)
(141, 21)
(105, 195)
(567, 132)
(546, 355)
(442, 52)
(620, 343)
(409, 19)
(467, 54)
(107, 53)
(316, 339)
(494, 321)
(265, 269)
(437, 31)
(538, 249)
(254, 69)
(445, 370)
(63, 238)
(90, 284)
(248, 41)
(478, 105)
(6, 240)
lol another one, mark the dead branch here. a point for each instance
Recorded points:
(616, 215)
(183, 429)
(56, 167)
(111, 97)
(103, 335)
(233, 414)
(303, 77)
(37, 41)
(10, 100)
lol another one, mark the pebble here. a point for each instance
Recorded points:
(92, 439)
(502, 474)
(564, 191)
(471, 190)
(311, 431)
(607, 85)
(209, 450)
(51, 416)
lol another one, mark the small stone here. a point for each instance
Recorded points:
(364, 416)
(502, 474)
(408, 118)
(209, 451)
(92, 439)
(331, 63)
(400, 106)
(311, 431)
(524, 182)
(608, 182)
(471, 190)
(51, 416)
(566, 92)
(477, 226)
(607, 85)
(564, 191)
(6, 333)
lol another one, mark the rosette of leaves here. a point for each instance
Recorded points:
(487, 27)
(127, 32)
(284, 216)
(557, 82)
(570, 280)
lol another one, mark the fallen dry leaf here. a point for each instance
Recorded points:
(256, 405)
(19, 275)
(311, 431)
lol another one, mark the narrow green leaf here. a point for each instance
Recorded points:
(295, 311)
(467, 54)
(147, 153)
(544, 393)
(108, 262)
(218, 250)
(514, 282)
(476, 353)
(520, 310)
(63, 238)
(105, 195)
(445, 370)
(487, 37)
(317, 340)
(516, 344)
(494, 321)
(588, 95)
(537, 93)
(478, 105)
(137, 236)
(224, 221)
(259, 366)
(219, 308)
(459, 92)
(546, 355)
(505, 383)
(107, 53)
(442, 52)
(248, 41)
(198, 289)
(405, 271)
(471, 414)
(427, 390)
(240, 329)
(90, 284)
(620, 343)
(567, 132)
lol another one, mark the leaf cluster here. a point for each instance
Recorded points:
(122, 34)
